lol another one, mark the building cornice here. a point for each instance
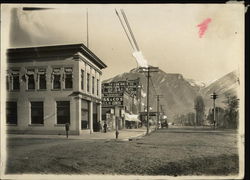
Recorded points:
(56, 51)
(80, 57)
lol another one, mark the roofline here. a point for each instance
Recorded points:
(78, 47)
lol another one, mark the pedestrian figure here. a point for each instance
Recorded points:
(67, 129)
(116, 134)
(105, 127)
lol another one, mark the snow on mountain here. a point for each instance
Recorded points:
(194, 83)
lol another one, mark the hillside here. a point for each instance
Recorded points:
(178, 93)
(228, 84)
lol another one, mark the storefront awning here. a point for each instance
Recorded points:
(132, 117)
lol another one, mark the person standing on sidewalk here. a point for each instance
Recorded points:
(67, 129)
(105, 127)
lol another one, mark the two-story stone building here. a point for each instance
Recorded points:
(49, 86)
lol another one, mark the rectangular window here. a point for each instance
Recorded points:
(88, 76)
(7, 83)
(31, 79)
(68, 78)
(63, 112)
(56, 78)
(82, 79)
(97, 87)
(36, 112)
(93, 85)
(42, 78)
(15, 80)
(11, 112)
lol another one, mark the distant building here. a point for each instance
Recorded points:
(52, 85)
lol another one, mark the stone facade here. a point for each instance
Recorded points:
(57, 84)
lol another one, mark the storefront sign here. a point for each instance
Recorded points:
(113, 92)
(112, 101)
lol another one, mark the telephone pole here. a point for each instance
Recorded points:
(158, 113)
(148, 70)
(214, 96)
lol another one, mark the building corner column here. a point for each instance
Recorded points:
(91, 117)
(99, 114)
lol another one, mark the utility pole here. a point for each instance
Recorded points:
(132, 103)
(148, 70)
(139, 95)
(214, 96)
(195, 117)
(158, 113)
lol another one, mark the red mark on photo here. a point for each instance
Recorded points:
(203, 26)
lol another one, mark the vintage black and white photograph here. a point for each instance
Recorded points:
(122, 91)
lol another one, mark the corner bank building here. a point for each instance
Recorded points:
(50, 86)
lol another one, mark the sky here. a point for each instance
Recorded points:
(167, 35)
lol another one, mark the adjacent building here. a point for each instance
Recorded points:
(50, 86)
(121, 102)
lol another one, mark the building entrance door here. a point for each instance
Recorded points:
(96, 125)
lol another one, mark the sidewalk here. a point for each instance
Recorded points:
(124, 135)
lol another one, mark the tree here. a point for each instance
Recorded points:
(228, 117)
(220, 117)
(199, 107)
(232, 110)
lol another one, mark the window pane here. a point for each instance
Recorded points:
(11, 112)
(97, 87)
(16, 84)
(93, 85)
(68, 81)
(31, 82)
(56, 82)
(88, 82)
(82, 79)
(7, 83)
(42, 81)
(63, 112)
(36, 112)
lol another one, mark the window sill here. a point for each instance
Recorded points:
(69, 89)
(55, 89)
(14, 91)
(11, 124)
(42, 90)
(30, 90)
(36, 125)
(60, 125)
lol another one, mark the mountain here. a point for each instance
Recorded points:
(228, 84)
(178, 93)
(193, 82)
